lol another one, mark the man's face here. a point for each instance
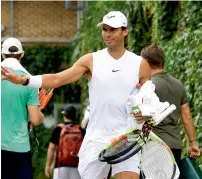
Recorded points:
(113, 37)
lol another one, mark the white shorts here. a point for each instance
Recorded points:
(90, 166)
(66, 173)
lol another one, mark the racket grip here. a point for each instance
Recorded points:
(165, 113)
(164, 106)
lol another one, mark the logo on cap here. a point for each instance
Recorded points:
(109, 17)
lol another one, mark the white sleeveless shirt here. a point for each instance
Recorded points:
(111, 84)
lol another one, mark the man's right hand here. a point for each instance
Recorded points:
(12, 76)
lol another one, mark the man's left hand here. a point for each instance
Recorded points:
(138, 116)
(193, 150)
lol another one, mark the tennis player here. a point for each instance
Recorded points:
(112, 73)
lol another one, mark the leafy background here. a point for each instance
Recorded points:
(175, 25)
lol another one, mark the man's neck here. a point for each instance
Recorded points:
(67, 120)
(116, 52)
(11, 58)
(156, 70)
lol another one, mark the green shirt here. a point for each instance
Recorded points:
(14, 115)
(171, 90)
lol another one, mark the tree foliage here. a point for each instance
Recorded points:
(42, 60)
(175, 25)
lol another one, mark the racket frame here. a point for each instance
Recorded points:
(154, 137)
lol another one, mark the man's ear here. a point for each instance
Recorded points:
(22, 55)
(125, 31)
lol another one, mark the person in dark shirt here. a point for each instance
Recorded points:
(61, 170)
(172, 90)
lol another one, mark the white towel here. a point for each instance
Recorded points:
(147, 102)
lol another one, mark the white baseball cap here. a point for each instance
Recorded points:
(114, 19)
(9, 43)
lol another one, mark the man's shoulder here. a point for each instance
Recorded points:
(176, 81)
(160, 78)
(56, 130)
(133, 57)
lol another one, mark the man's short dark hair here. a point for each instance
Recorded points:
(153, 55)
(126, 37)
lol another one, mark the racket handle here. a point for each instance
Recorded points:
(164, 106)
(165, 113)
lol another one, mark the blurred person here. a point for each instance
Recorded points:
(63, 169)
(85, 119)
(19, 104)
(112, 73)
(172, 90)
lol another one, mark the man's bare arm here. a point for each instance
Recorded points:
(82, 66)
(145, 72)
(188, 122)
(193, 149)
(50, 154)
(144, 75)
(35, 115)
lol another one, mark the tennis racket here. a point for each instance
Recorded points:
(120, 145)
(157, 160)
(124, 152)
(131, 142)
(44, 96)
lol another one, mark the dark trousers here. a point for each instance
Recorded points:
(16, 165)
(177, 155)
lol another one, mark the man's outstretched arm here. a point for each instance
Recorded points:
(82, 66)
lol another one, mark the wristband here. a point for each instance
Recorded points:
(35, 81)
(26, 82)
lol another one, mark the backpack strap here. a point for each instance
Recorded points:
(64, 127)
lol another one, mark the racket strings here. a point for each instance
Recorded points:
(119, 145)
(126, 155)
(156, 161)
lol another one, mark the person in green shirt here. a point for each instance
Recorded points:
(172, 90)
(18, 105)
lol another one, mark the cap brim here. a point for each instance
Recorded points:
(100, 24)
(111, 25)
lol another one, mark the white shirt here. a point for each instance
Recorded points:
(111, 84)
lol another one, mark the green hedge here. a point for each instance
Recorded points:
(175, 25)
(53, 59)
(41, 60)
